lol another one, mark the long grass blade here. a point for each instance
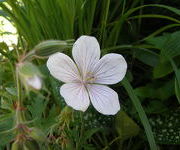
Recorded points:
(141, 113)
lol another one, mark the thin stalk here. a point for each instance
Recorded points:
(122, 47)
(141, 113)
(19, 109)
(159, 31)
(155, 16)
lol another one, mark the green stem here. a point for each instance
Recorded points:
(19, 109)
(141, 113)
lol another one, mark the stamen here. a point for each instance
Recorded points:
(90, 78)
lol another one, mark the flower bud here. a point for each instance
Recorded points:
(46, 48)
(34, 82)
(29, 75)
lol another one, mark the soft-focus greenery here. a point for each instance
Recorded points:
(146, 33)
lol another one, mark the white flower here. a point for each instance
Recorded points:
(84, 81)
(34, 82)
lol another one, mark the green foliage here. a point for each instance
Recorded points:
(141, 113)
(125, 126)
(146, 34)
(166, 128)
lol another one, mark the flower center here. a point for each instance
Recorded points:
(89, 78)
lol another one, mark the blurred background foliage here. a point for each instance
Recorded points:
(146, 33)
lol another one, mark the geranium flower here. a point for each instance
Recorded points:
(86, 80)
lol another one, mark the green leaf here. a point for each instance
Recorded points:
(166, 127)
(37, 109)
(6, 138)
(162, 69)
(171, 47)
(158, 41)
(6, 124)
(146, 56)
(89, 133)
(156, 107)
(12, 90)
(177, 73)
(51, 118)
(160, 30)
(125, 126)
(6, 95)
(156, 90)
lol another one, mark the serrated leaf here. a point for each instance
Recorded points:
(6, 124)
(6, 138)
(12, 91)
(37, 108)
(6, 95)
(51, 118)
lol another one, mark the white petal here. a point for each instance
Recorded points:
(62, 67)
(86, 53)
(34, 82)
(104, 99)
(75, 95)
(110, 69)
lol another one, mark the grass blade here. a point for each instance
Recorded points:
(141, 113)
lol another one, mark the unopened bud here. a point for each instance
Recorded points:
(47, 48)
(30, 75)
(34, 82)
